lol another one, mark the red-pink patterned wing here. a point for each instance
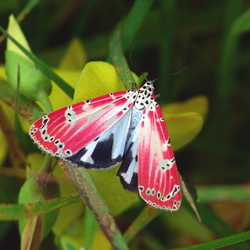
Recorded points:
(158, 180)
(66, 132)
(124, 127)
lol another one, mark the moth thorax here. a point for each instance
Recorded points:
(144, 97)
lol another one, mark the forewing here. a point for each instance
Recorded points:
(64, 132)
(107, 150)
(158, 180)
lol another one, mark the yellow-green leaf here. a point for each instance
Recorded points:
(75, 56)
(183, 128)
(197, 104)
(15, 31)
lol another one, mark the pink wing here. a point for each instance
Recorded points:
(127, 127)
(158, 180)
(66, 131)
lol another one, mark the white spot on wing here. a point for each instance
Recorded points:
(166, 165)
(70, 115)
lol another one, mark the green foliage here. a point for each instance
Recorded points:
(210, 40)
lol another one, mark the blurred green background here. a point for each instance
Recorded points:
(208, 39)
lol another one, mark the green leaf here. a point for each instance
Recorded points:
(20, 211)
(230, 48)
(215, 193)
(146, 216)
(37, 87)
(122, 37)
(90, 228)
(27, 8)
(223, 242)
(27, 109)
(36, 189)
(43, 67)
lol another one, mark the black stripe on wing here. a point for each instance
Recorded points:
(101, 157)
(128, 170)
(129, 167)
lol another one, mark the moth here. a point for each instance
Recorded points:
(124, 127)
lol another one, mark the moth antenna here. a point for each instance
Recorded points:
(134, 66)
(172, 74)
